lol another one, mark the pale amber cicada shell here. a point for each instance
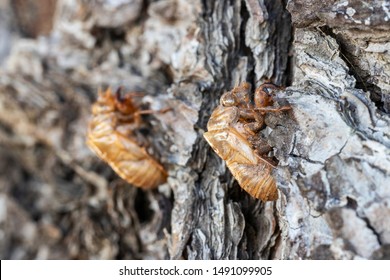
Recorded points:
(111, 137)
(233, 134)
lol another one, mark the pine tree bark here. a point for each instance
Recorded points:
(58, 200)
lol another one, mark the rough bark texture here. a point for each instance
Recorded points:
(58, 200)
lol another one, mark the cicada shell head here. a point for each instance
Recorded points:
(264, 95)
(238, 96)
(104, 104)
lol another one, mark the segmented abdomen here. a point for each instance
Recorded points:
(122, 152)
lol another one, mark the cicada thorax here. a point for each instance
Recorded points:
(113, 134)
(223, 117)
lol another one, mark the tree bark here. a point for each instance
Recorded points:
(58, 200)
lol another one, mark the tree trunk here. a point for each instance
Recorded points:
(58, 200)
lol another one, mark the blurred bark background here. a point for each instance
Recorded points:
(59, 201)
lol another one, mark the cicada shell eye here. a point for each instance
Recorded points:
(227, 99)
